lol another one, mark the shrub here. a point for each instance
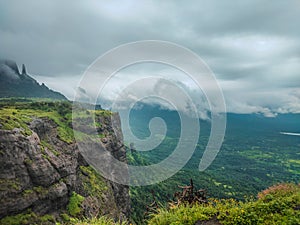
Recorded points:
(278, 190)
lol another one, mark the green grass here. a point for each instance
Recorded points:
(16, 117)
(18, 113)
(11, 118)
(94, 221)
(31, 218)
(276, 205)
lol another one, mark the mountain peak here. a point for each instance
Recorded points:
(16, 84)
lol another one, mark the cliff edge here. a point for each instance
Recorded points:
(42, 171)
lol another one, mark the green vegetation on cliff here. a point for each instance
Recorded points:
(19, 112)
(28, 218)
(31, 218)
(59, 182)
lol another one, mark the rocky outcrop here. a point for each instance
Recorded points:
(40, 172)
(24, 69)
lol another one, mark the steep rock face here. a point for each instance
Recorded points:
(112, 142)
(40, 172)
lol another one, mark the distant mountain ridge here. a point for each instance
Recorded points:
(14, 83)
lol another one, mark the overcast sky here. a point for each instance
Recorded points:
(253, 47)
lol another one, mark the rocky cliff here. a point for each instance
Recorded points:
(43, 172)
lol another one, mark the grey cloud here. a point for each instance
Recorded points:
(8, 72)
(217, 18)
(252, 46)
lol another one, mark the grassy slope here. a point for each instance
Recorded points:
(279, 204)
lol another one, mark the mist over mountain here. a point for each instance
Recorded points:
(14, 83)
